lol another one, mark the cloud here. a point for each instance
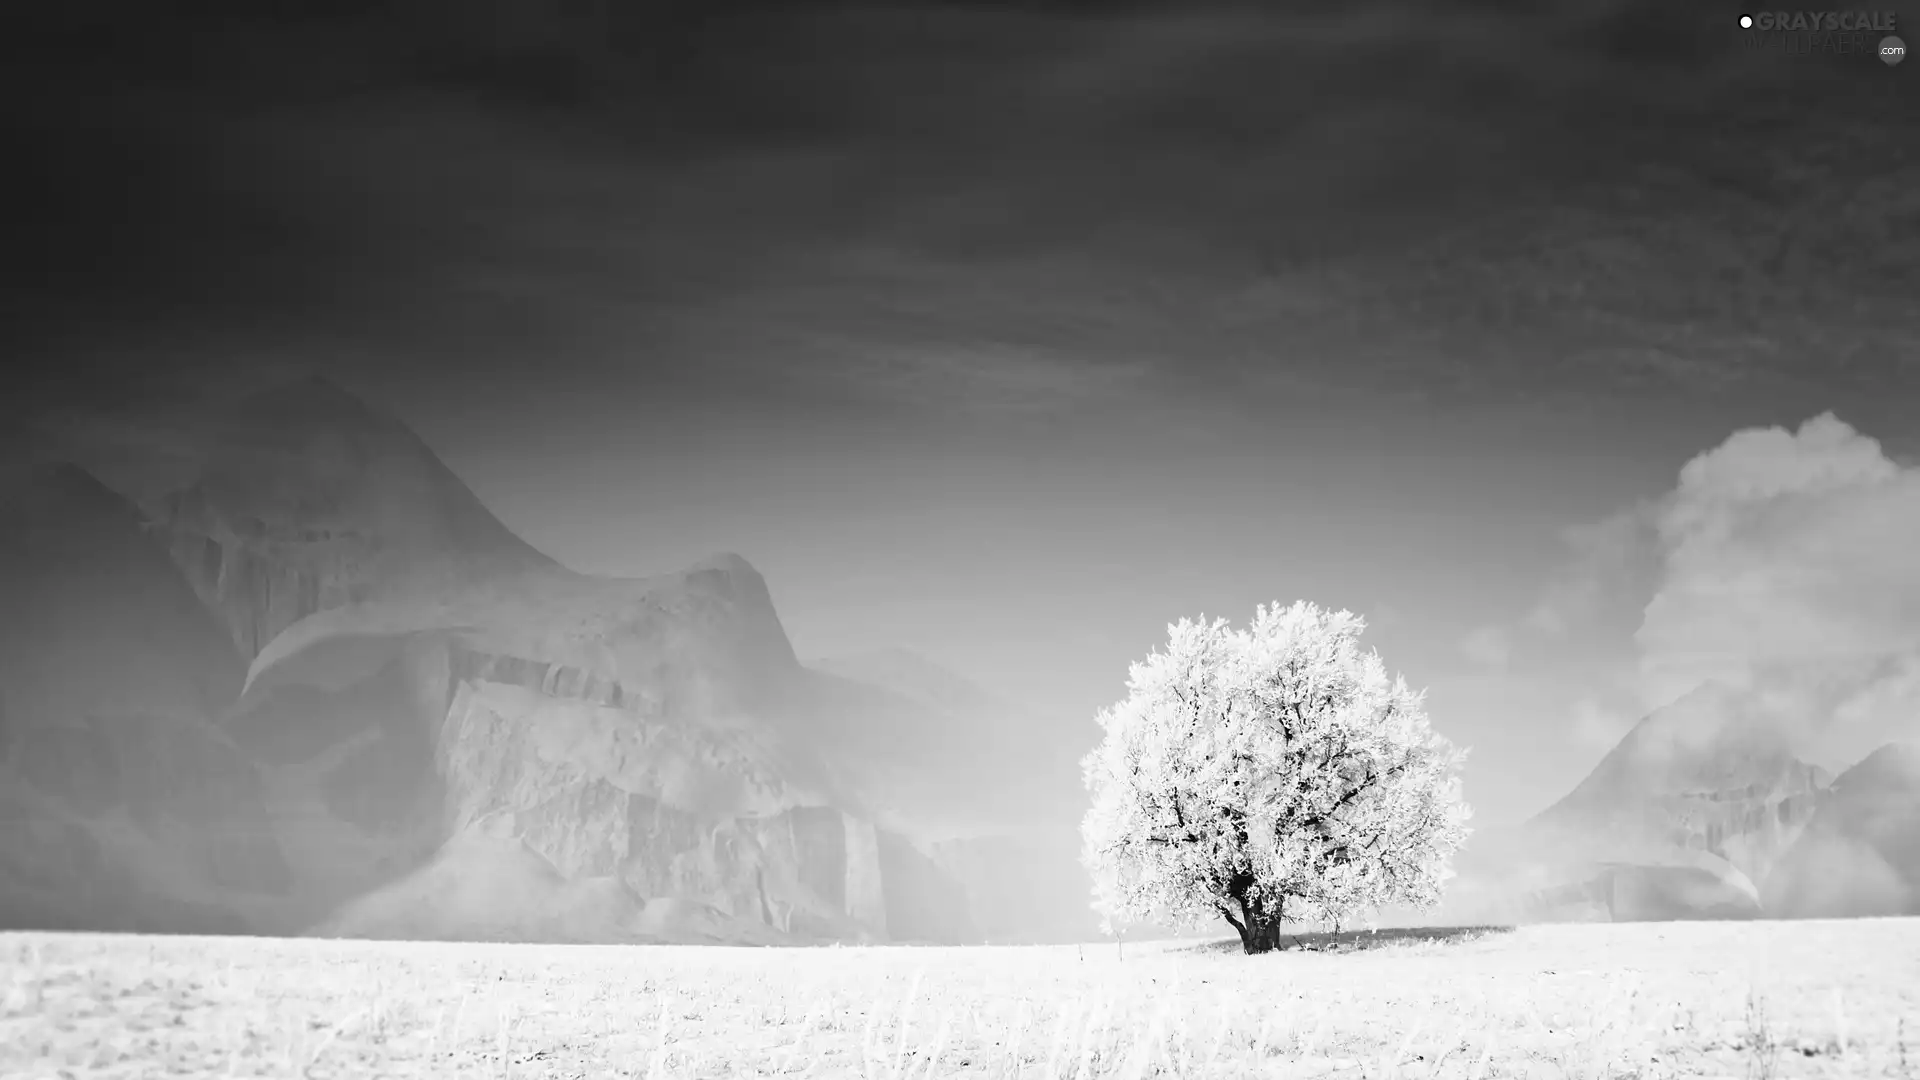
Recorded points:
(1609, 569)
(1788, 574)
(1488, 646)
(1607, 556)
(643, 189)
(986, 377)
(1597, 726)
(1779, 569)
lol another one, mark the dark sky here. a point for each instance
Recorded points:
(1011, 332)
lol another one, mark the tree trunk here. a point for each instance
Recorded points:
(1259, 921)
(1261, 935)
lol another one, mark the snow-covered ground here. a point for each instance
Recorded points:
(1831, 999)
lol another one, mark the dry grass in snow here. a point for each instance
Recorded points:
(1768, 999)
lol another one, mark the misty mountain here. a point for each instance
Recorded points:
(293, 497)
(123, 805)
(1699, 774)
(406, 705)
(1690, 809)
(1703, 810)
(1860, 853)
(275, 669)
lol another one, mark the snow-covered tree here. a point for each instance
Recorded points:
(1267, 773)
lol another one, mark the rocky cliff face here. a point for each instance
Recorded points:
(606, 781)
(631, 732)
(390, 699)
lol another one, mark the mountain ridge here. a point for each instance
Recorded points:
(1860, 854)
(410, 671)
(123, 805)
(1702, 810)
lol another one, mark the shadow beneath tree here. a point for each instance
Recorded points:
(1346, 941)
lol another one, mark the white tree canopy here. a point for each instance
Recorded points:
(1267, 773)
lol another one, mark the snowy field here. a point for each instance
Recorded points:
(1829, 999)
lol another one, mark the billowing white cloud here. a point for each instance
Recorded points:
(1784, 566)
(1790, 572)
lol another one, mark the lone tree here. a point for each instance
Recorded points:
(1271, 772)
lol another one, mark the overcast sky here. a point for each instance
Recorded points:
(1011, 332)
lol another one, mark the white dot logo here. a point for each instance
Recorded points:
(1892, 50)
(1746, 22)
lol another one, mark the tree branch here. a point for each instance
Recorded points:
(1238, 926)
(1369, 781)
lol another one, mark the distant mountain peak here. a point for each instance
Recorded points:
(725, 562)
(81, 573)
(71, 514)
(734, 577)
(1895, 764)
(280, 497)
(304, 457)
(1712, 722)
(309, 415)
(1711, 740)
(761, 636)
(57, 481)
